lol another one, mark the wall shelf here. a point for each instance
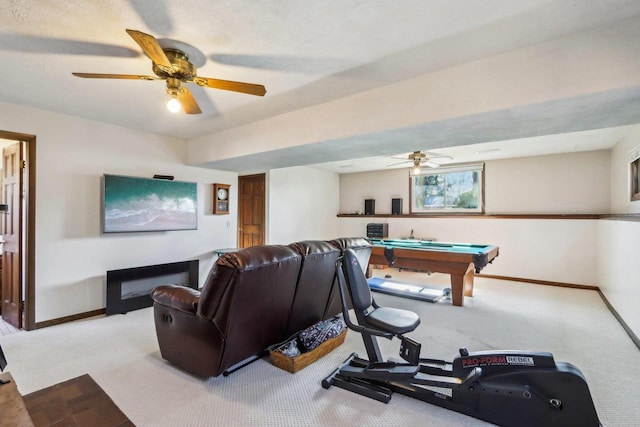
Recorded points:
(631, 217)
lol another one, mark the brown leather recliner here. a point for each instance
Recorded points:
(244, 307)
(252, 299)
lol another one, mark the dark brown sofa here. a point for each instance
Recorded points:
(252, 299)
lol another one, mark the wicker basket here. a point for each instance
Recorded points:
(294, 364)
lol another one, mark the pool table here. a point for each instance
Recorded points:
(460, 260)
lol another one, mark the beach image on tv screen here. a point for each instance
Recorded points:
(143, 204)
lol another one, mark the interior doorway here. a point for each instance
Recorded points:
(251, 210)
(17, 295)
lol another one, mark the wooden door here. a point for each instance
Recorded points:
(12, 188)
(251, 202)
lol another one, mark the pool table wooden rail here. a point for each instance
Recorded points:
(459, 265)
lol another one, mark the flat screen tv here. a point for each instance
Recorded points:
(145, 204)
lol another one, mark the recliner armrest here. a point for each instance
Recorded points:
(177, 297)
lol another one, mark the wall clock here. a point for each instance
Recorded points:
(221, 199)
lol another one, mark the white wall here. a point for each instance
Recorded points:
(619, 241)
(572, 183)
(72, 256)
(618, 273)
(303, 204)
(382, 186)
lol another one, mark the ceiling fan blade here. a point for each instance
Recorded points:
(438, 156)
(396, 164)
(188, 102)
(430, 164)
(249, 88)
(152, 48)
(115, 76)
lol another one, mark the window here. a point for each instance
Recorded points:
(448, 189)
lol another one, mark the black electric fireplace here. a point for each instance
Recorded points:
(130, 288)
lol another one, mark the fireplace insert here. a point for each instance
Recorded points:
(130, 288)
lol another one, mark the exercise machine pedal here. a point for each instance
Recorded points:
(381, 371)
(390, 371)
(364, 388)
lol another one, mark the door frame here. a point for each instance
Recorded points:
(29, 238)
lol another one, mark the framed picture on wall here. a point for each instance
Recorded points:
(142, 204)
(634, 174)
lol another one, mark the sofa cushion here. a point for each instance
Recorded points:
(248, 296)
(315, 283)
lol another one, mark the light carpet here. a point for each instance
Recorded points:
(121, 353)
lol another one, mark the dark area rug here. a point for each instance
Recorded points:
(76, 402)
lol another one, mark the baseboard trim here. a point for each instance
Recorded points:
(613, 311)
(65, 319)
(541, 282)
(620, 320)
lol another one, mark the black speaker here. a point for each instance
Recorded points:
(396, 206)
(369, 206)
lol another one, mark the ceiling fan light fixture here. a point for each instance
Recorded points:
(416, 165)
(172, 102)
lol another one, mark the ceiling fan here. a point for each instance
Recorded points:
(418, 158)
(173, 66)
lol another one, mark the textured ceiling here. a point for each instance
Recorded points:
(304, 53)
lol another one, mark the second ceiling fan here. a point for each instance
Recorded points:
(418, 158)
(173, 66)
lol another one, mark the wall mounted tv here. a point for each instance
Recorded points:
(145, 204)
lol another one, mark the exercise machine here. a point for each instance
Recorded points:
(509, 388)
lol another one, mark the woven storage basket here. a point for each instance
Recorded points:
(294, 364)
